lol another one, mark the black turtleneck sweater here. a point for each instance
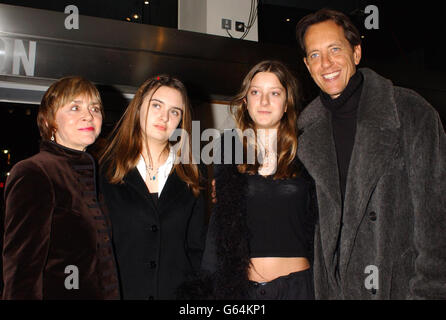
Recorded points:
(344, 113)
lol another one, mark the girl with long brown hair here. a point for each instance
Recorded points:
(153, 192)
(260, 239)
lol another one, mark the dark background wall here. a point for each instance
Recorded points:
(406, 48)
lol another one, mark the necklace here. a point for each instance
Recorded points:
(152, 173)
(267, 158)
(269, 153)
(269, 149)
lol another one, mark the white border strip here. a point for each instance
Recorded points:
(40, 88)
(22, 86)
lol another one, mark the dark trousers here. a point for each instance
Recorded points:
(295, 286)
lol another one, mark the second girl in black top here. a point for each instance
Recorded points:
(260, 239)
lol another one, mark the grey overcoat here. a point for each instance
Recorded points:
(393, 239)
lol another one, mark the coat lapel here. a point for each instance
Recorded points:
(136, 182)
(173, 189)
(317, 152)
(376, 141)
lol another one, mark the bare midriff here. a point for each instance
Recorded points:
(270, 268)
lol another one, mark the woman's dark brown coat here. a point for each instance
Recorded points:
(54, 227)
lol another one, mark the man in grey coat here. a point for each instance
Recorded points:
(377, 153)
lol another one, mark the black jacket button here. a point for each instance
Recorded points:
(154, 228)
(372, 215)
(152, 264)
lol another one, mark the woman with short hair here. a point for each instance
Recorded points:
(57, 240)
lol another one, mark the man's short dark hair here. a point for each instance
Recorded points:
(350, 31)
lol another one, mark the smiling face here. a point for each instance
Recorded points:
(330, 59)
(266, 100)
(161, 113)
(78, 123)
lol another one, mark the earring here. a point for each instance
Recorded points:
(52, 136)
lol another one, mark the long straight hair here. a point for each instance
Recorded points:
(123, 152)
(287, 131)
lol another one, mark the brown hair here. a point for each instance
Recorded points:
(122, 153)
(287, 131)
(351, 33)
(59, 94)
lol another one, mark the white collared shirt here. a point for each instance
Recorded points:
(163, 171)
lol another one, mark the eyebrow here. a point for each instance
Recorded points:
(174, 107)
(280, 88)
(157, 100)
(330, 45)
(312, 51)
(179, 109)
(80, 101)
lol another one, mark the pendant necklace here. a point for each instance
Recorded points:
(151, 172)
(270, 156)
(266, 147)
(268, 153)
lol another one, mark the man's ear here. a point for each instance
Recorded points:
(306, 63)
(357, 52)
(46, 123)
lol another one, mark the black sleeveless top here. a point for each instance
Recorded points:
(279, 217)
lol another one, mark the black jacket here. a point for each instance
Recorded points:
(157, 247)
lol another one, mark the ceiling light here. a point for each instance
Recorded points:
(128, 19)
(146, 2)
(135, 16)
